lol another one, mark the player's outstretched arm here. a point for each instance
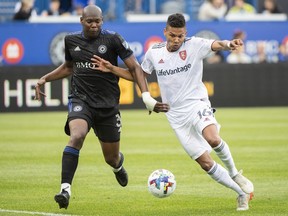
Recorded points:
(105, 66)
(140, 78)
(64, 70)
(226, 45)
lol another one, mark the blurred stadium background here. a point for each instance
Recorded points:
(252, 99)
(32, 47)
(116, 9)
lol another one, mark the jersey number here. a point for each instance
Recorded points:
(205, 112)
(118, 124)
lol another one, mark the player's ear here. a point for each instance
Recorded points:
(165, 31)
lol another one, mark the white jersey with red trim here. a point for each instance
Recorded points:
(179, 76)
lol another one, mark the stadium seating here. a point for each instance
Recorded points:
(148, 7)
(7, 9)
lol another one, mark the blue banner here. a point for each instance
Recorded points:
(42, 43)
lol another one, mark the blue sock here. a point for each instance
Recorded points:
(69, 164)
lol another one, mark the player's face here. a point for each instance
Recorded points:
(174, 37)
(91, 26)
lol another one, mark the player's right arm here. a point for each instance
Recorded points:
(234, 44)
(64, 70)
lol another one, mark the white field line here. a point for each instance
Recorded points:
(34, 213)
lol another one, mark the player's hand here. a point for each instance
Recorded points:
(153, 105)
(101, 64)
(161, 107)
(38, 92)
(235, 44)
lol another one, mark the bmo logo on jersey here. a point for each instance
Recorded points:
(85, 65)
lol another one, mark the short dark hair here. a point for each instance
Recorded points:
(176, 20)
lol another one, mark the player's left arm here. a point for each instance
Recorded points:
(133, 73)
(140, 78)
(134, 68)
(137, 73)
(105, 66)
(234, 44)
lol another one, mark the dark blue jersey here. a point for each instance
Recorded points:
(96, 88)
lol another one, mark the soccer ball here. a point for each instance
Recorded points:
(161, 183)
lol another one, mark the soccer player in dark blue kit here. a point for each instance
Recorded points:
(94, 98)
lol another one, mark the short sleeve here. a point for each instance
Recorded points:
(147, 65)
(68, 56)
(205, 46)
(123, 49)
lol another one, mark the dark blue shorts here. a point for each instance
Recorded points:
(106, 122)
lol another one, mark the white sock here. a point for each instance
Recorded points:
(223, 152)
(220, 174)
(66, 187)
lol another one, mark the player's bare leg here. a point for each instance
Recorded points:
(115, 159)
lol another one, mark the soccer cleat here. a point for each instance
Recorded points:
(122, 177)
(243, 202)
(245, 184)
(120, 173)
(62, 199)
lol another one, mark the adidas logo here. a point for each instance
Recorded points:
(77, 49)
(161, 61)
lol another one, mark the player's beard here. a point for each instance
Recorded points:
(93, 34)
(172, 47)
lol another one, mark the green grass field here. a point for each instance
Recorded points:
(30, 166)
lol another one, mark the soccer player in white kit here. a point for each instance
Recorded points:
(178, 64)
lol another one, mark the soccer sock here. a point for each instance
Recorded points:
(223, 152)
(220, 174)
(69, 165)
(66, 187)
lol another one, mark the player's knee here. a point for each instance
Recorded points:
(77, 139)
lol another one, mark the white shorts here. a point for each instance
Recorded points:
(190, 134)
